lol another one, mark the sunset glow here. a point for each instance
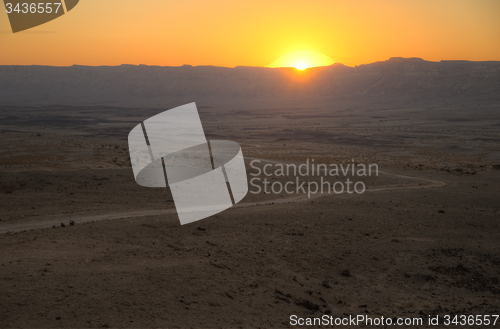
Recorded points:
(302, 59)
(301, 66)
(257, 33)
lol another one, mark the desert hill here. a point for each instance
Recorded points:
(398, 81)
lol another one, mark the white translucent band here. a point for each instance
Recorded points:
(198, 186)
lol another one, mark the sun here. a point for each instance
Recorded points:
(302, 59)
(300, 66)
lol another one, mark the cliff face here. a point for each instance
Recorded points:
(400, 80)
(445, 77)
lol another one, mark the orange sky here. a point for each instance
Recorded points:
(256, 32)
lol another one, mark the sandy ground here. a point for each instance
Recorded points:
(407, 253)
(423, 239)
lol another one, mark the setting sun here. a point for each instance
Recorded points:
(302, 59)
(301, 66)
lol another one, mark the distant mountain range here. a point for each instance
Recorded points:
(397, 81)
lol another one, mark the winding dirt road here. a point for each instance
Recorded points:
(16, 227)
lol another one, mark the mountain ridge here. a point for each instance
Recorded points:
(406, 80)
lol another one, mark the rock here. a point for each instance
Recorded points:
(307, 304)
(72, 222)
(345, 273)
(326, 285)
(62, 225)
(283, 299)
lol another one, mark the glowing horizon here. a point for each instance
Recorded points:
(302, 59)
(256, 33)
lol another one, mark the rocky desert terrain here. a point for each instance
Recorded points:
(421, 240)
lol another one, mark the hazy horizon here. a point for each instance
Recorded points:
(265, 66)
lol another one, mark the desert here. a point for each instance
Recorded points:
(421, 241)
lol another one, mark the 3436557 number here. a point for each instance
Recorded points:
(33, 8)
(471, 320)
